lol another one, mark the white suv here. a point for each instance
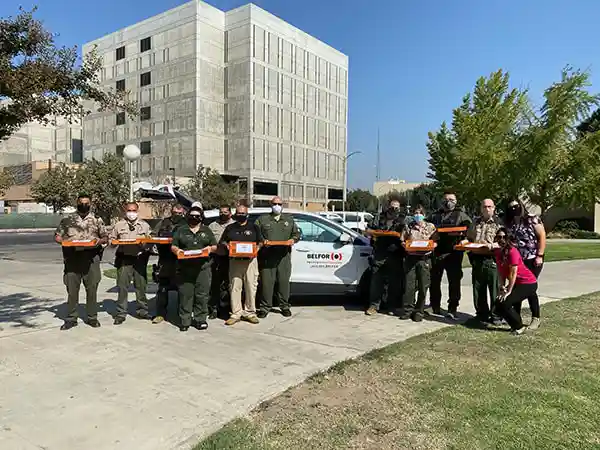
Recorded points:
(329, 259)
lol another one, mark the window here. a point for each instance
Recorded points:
(145, 147)
(120, 85)
(351, 218)
(77, 150)
(120, 149)
(120, 53)
(121, 118)
(315, 230)
(145, 44)
(145, 79)
(145, 113)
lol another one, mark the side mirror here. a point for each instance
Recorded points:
(345, 239)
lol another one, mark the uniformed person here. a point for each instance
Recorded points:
(485, 273)
(219, 295)
(417, 267)
(194, 274)
(82, 264)
(242, 271)
(166, 273)
(445, 258)
(131, 262)
(387, 261)
(275, 262)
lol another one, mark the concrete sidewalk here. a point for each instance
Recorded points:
(149, 387)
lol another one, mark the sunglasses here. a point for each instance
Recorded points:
(277, 204)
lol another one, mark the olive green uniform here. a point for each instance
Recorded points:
(194, 274)
(445, 258)
(219, 295)
(485, 272)
(387, 262)
(417, 268)
(131, 262)
(82, 264)
(275, 263)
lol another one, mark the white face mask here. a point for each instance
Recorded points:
(276, 209)
(131, 215)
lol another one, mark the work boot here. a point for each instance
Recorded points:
(262, 314)
(251, 319)
(158, 319)
(184, 328)
(402, 314)
(286, 313)
(93, 323)
(232, 321)
(535, 324)
(371, 311)
(119, 320)
(416, 316)
(452, 314)
(68, 325)
(200, 325)
(142, 315)
(213, 315)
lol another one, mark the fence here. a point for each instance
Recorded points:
(29, 220)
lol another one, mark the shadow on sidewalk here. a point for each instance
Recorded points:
(21, 309)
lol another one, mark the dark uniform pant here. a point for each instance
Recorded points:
(452, 264)
(417, 275)
(167, 282)
(275, 269)
(78, 270)
(533, 299)
(194, 294)
(485, 280)
(219, 291)
(132, 269)
(387, 272)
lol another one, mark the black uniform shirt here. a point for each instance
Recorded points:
(242, 233)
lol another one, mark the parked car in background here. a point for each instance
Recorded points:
(357, 221)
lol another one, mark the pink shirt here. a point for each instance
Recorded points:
(524, 275)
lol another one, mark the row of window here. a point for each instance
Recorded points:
(145, 80)
(145, 45)
(145, 114)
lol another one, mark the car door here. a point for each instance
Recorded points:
(320, 258)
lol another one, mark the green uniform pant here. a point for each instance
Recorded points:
(135, 270)
(275, 270)
(485, 279)
(194, 294)
(387, 272)
(78, 270)
(417, 276)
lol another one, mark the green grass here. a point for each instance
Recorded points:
(457, 388)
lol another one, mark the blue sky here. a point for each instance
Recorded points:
(410, 61)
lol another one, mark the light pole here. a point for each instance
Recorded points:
(131, 153)
(346, 177)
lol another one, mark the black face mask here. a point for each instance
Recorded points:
(177, 218)
(194, 220)
(224, 217)
(241, 217)
(83, 208)
(514, 211)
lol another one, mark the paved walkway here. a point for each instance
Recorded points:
(149, 387)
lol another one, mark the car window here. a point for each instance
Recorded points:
(314, 230)
(352, 218)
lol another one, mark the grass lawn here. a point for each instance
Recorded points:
(457, 388)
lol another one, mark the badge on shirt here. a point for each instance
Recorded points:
(286, 223)
(247, 232)
(202, 234)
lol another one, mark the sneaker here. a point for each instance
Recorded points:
(286, 313)
(158, 319)
(93, 323)
(519, 332)
(68, 325)
(202, 326)
(535, 324)
(119, 320)
(232, 321)
(416, 316)
(251, 319)
(262, 314)
(371, 311)
(451, 314)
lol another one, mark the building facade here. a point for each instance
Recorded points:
(385, 187)
(242, 92)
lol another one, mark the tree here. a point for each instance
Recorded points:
(426, 195)
(6, 181)
(106, 182)
(361, 200)
(209, 187)
(55, 187)
(591, 124)
(40, 80)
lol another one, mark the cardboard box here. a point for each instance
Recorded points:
(81, 243)
(192, 254)
(239, 249)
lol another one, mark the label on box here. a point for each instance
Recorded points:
(419, 244)
(193, 252)
(244, 248)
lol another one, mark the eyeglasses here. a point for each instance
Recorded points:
(277, 204)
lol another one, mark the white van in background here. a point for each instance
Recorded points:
(357, 221)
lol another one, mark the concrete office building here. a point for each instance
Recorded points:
(393, 185)
(241, 91)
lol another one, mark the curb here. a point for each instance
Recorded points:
(26, 230)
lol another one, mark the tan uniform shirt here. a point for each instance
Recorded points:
(418, 232)
(484, 231)
(124, 229)
(218, 228)
(74, 227)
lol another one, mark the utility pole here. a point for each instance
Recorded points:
(378, 168)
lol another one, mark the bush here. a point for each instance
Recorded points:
(582, 234)
(572, 229)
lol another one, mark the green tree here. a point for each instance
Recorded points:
(106, 182)
(591, 124)
(426, 195)
(55, 187)
(6, 181)
(40, 80)
(209, 187)
(361, 200)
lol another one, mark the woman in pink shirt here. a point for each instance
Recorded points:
(517, 282)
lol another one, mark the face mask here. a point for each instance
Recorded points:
(83, 208)
(419, 217)
(514, 210)
(194, 220)
(176, 218)
(395, 207)
(131, 215)
(276, 209)
(449, 204)
(241, 217)
(224, 217)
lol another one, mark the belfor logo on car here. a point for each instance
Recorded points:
(334, 256)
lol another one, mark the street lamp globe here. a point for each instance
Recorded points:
(132, 152)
